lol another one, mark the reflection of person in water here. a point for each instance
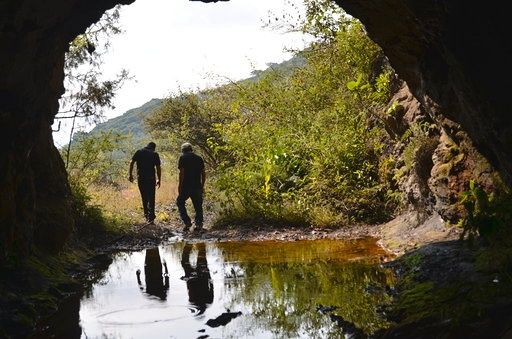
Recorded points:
(199, 282)
(157, 283)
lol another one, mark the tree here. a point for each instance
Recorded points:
(296, 146)
(87, 93)
(193, 117)
(97, 158)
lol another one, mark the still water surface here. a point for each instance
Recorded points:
(264, 289)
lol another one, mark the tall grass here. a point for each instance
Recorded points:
(124, 205)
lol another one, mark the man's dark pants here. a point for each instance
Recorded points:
(147, 192)
(199, 284)
(196, 195)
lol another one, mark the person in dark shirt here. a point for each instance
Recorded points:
(147, 160)
(191, 185)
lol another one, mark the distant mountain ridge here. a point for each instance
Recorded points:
(285, 67)
(132, 121)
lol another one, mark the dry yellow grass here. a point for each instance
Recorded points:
(125, 202)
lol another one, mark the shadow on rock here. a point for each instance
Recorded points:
(348, 329)
(442, 293)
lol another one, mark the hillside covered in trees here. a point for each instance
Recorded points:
(131, 122)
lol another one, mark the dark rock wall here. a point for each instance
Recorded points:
(34, 35)
(454, 56)
(435, 159)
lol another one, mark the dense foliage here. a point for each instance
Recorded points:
(97, 158)
(299, 147)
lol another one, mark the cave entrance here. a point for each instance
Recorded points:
(168, 49)
(274, 75)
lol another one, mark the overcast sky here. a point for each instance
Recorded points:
(171, 44)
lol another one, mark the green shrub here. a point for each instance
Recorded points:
(88, 217)
(487, 215)
(297, 146)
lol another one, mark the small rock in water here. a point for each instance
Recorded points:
(223, 319)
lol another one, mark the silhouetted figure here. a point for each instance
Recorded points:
(191, 185)
(157, 282)
(199, 283)
(147, 160)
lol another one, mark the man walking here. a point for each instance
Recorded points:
(191, 185)
(147, 160)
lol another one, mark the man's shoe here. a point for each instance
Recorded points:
(186, 228)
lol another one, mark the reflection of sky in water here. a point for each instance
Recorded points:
(275, 285)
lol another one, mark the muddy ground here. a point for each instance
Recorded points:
(143, 235)
(406, 232)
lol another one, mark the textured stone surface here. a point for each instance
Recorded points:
(34, 36)
(435, 159)
(456, 163)
(412, 230)
(454, 57)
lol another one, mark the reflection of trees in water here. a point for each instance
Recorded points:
(284, 296)
(300, 251)
(281, 287)
(99, 274)
(157, 283)
(199, 283)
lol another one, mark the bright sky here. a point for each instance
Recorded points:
(171, 44)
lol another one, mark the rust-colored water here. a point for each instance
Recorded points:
(270, 289)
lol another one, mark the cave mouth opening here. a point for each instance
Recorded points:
(421, 40)
(444, 51)
(170, 48)
(36, 200)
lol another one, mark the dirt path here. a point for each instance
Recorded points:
(142, 236)
(406, 232)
